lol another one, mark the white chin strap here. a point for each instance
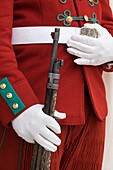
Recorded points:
(41, 35)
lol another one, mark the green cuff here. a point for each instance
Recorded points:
(10, 96)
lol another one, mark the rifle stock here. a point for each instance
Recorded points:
(41, 159)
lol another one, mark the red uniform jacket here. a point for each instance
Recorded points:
(26, 67)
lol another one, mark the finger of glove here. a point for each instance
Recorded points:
(80, 46)
(101, 30)
(85, 40)
(79, 53)
(47, 149)
(87, 25)
(59, 115)
(50, 136)
(53, 124)
(83, 62)
(45, 143)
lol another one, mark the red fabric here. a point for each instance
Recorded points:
(10, 151)
(9, 66)
(31, 62)
(26, 67)
(107, 22)
(82, 146)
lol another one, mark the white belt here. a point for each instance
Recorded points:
(41, 35)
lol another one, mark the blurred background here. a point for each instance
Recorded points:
(108, 153)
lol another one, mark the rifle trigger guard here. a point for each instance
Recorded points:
(52, 78)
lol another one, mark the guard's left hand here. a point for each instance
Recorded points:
(92, 51)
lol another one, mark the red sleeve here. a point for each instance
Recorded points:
(107, 22)
(9, 65)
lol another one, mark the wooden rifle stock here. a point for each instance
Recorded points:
(41, 159)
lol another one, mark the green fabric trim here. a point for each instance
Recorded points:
(93, 19)
(3, 138)
(15, 98)
(63, 2)
(93, 3)
(20, 153)
(62, 17)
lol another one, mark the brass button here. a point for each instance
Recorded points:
(90, 0)
(3, 86)
(9, 95)
(69, 19)
(15, 105)
(86, 18)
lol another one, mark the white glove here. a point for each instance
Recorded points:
(92, 51)
(34, 125)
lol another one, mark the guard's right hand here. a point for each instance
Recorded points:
(34, 125)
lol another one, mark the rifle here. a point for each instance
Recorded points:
(41, 159)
